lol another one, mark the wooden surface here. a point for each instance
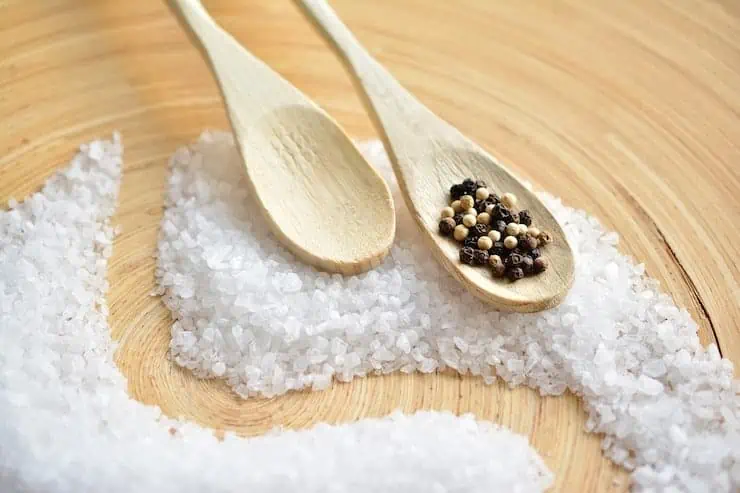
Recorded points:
(428, 155)
(627, 109)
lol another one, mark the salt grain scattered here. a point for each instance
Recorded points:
(630, 353)
(68, 426)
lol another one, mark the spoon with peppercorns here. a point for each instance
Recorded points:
(312, 184)
(530, 265)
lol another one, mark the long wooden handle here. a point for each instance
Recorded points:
(200, 26)
(397, 113)
(249, 87)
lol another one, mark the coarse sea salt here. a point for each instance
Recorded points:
(67, 424)
(667, 407)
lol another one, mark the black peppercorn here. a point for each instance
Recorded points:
(529, 243)
(447, 226)
(499, 249)
(480, 257)
(458, 218)
(479, 230)
(513, 260)
(525, 217)
(501, 213)
(535, 253)
(469, 187)
(494, 198)
(518, 251)
(466, 255)
(470, 241)
(527, 264)
(480, 205)
(456, 191)
(515, 217)
(500, 226)
(520, 243)
(540, 264)
(545, 238)
(515, 273)
(497, 265)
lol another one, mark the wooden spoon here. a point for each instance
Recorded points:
(428, 156)
(320, 196)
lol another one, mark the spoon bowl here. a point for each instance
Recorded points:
(353, 223)
(428, 156)
(452, 165)
(319, 195)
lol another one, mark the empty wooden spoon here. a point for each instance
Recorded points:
(320, 196)
(428, 156)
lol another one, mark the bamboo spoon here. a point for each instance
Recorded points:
(428, 156)
(321, 198)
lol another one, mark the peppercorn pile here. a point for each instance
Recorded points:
(493, 232)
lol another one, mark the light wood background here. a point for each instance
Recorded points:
(628, 109)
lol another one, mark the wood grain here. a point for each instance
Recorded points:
(627, 109)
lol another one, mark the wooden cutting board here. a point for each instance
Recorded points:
(629, 109)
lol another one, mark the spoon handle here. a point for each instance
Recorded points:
(249, 87)
(405, 123)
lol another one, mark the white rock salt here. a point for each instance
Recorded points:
(604, 343)
(68, 426)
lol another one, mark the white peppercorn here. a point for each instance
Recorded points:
(456, 206)
(484, 218)
(467, 202)
(460, 233)
(447, 212)
(509, 200)
(510, 242)
(482, 193)
(494, 235)
(485, 243)
(512, 229)
(469, 220)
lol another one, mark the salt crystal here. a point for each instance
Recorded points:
(219, 369)
(655, 368)
(735, 473)
(403, 344)
(383, 354)
(428, 365)
(460, 344)
(321, 382)
(569, 319)
(338, 346)
(649, 386)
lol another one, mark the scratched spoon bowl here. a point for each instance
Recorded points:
(428, 156)
(319, 195)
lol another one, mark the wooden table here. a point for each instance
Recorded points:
(630, 110)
